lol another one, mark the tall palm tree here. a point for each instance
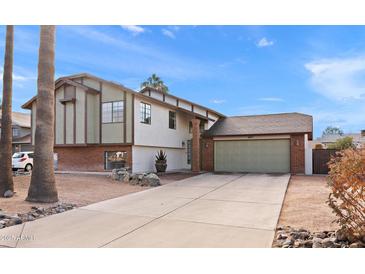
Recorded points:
(43, 183)
(155, 82)
(6, 178)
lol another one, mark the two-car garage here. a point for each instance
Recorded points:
(273, 143)
(268, 156)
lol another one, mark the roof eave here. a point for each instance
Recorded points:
(183, 100)
(28, 104)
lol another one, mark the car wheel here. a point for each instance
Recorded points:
(28, 167)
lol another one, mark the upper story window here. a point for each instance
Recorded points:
(172, 119)
(145, 113)
(113, 112)
(16, 132)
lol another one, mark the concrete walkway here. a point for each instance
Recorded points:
(208, 210)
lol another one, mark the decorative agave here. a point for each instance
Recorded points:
(161, 156)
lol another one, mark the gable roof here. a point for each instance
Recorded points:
(69, 80)
(59, 82)
(282, 123)
(19, 119)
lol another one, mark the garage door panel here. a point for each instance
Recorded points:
(252, 156)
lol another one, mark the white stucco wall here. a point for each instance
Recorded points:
(149, 138)
(158, 133)
(308, 156)
(144, 158)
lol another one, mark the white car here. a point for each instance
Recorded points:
(23, 160)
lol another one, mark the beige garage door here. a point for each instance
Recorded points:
(252, 156)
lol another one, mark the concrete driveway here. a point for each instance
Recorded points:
(208, 210)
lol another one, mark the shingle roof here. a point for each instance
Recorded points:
(69, 78)
(282, 123)
(20, 119)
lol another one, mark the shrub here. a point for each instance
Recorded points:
(347, 198)
(343, 143)
(318, 146)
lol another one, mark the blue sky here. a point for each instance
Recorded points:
(237, 70)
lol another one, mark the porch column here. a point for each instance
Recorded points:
(195, 166)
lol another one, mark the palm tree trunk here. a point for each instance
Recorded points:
(43, 184)
(6, 175)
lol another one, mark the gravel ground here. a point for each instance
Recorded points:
(80, 190)
(305, 205)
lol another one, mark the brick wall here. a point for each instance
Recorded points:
(90, 158)
(195, 160)
(297, 158)
(207, 154)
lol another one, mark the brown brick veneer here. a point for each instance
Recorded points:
(89, 158)
(297, 158)
(195, 161)
(207, 154)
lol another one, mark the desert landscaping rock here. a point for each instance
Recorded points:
(144, 179)
(35, 213)
(8, 194)
(288, 237)
(357, 245)
(151, 180)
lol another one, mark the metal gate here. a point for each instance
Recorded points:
(321, 157)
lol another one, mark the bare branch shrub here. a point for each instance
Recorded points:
(347, 199)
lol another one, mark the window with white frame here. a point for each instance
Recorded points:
(113, 112)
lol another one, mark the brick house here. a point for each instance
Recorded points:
(96, 119)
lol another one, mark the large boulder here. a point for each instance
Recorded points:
(133, 179)
(8, 194)
(151, 180)
(124, 176)
(143, 179)
(120, 174)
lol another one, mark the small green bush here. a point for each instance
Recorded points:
(343, 143)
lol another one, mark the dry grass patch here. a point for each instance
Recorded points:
(78, 189)
(305, 204)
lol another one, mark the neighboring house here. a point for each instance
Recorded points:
(95, 119)
(358, 139)
(21, 131)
